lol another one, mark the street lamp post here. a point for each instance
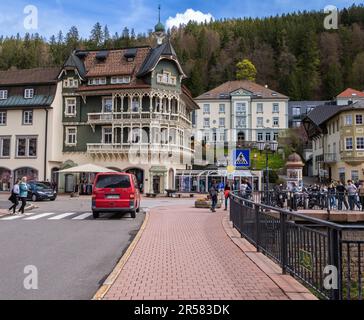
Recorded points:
(269, 148)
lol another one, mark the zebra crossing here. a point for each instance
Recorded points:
(51, 216)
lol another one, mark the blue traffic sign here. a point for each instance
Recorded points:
(241, 158)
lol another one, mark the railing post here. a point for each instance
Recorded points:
(284, 247)
(335, 260)
(257, 226)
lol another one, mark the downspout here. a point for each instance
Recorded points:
(45, 145)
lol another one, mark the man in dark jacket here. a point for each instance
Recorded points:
(213, 192)
(341, 197)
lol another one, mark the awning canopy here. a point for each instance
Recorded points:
(87, 168)
(216, 173)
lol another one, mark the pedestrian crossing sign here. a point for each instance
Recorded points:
(242, 158)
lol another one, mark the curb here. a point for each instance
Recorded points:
(288, 284)
(103, 290)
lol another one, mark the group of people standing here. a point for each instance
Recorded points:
(19, 192)
(224, 190)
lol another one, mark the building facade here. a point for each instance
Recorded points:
(298, 110)
(240, 111)
(338, 141)
(30, 125)
(127, 110)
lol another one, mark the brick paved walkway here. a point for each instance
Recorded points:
(184, 253)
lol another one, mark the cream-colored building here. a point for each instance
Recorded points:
(240, 111)
(337, 132)
(30, 125)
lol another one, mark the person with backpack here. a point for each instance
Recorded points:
(14, 197)
(213, 192)
(23, 194)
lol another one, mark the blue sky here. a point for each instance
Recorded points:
(55, 15)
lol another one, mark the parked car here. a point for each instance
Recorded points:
(115, 192)
(39, 191)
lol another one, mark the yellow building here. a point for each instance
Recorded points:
(337, 133)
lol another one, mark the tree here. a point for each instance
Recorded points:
(246, 70)
(72, 38)
(97, 35)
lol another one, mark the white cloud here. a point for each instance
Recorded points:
(187, 16)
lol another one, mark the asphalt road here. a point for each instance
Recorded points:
(72, 257)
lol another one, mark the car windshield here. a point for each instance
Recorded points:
(113, 182)
(41, 186)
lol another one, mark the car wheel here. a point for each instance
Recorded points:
(133, 214)
(53, 199)
(96, 215)
(34, 198)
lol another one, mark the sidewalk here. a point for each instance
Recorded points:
(186, 254)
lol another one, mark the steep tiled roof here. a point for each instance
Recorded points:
(322, 113)
(228, 87)
(115, 63)
(164, 50)
(29, 76)
(351, 93)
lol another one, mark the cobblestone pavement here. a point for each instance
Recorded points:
(184, 253)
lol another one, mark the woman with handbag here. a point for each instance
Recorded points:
(14, 197)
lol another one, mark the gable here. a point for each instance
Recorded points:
(241, 92)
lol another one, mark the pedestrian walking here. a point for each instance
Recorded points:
(14, 197)
(213, 192)
(361, 195)
(352, 195)
(227, 195)
(23, 194)
(331, 193)
(341, 196)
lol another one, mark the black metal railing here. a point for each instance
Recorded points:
(306, 200)
(324, 256)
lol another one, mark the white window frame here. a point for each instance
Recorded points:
(294, 111)
(260, 122)
(70, 83)
(346, 144)
(24, 117)
(120, 80)
(276, 108)
(206, 109)
(166, 78)
(241, 108)
(362, 143)
(104, 134)
(241, 122)
(3, 118)
(222, 122)
(2, 138)
(27, 146)
(346, 118)
(3, 94)
(68, 134)
(206, 122)
(28, 93)
(260, 107)
(68, 104)
(222, 108)
(276, 122)
(103, 104)
(270, 136)
(97, 81)
(260, 136)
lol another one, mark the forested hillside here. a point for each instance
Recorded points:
(293, 53)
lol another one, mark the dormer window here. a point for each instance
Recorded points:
(166, 78)
(97, 81)
(120, 80)
(3, 94)
(28, 93)
(70, 83)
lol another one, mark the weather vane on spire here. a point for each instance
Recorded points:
(159, 30)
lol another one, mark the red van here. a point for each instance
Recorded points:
(115, 192)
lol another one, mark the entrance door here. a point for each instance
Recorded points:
(70, 183)
(157, 185)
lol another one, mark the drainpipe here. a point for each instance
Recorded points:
(45, 146)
